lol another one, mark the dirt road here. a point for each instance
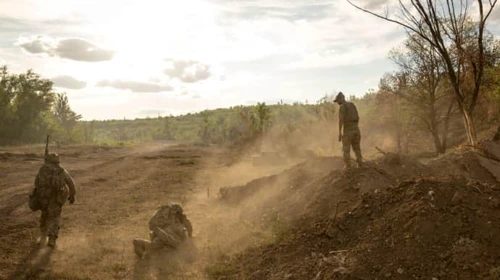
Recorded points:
(117, 191)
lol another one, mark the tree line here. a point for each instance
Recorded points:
(29, 109)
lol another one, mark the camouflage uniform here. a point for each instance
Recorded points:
(53, 186)
(351, 136)
(169, 228)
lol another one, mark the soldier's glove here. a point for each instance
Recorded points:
(71, 199)
(340, 137)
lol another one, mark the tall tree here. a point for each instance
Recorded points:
(443, 24)
(63, 113)
(25, 102)
(7, 94)
(204, 132)
(167, 133)
(263, 113)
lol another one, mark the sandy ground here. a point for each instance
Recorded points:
(117, 191)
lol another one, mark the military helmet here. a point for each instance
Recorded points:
(52, 158)
(339, 97)
(176, 208)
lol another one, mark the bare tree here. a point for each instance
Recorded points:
(442, 23)
(392, 88)
(420, 81)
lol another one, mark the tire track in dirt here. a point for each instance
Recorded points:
(16, 196)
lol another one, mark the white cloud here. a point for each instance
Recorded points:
(134, 86)
(68, 82)
(183, 91)
(37, 45)
(257, 48)
(81, 50)
(372, 4)
(495, 14)
(354, 55)
(290, 11)
(188, 71)
(69, 48)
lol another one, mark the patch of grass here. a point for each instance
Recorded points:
(280, 226)
(115, 144)
(120, 270)
(59, 276)
(495, 273)
(119, 267)
(218, 270)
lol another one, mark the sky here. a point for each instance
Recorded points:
(130, 59)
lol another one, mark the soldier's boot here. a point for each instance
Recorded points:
(42, 239)
(347, 160)
(52, 242)
(141, 247)
(359, 157)
(347, 163)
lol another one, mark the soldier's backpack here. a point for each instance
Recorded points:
(51, 185)
(161, 218)
(352, 113)
(34, 202)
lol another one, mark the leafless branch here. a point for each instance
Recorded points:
(386, 17)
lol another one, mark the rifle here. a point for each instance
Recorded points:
(47, 146)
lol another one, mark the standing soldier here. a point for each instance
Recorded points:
(53, 186)
(350, 136)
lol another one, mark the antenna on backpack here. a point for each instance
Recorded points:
(47, 146)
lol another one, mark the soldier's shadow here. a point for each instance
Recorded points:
(35, 264)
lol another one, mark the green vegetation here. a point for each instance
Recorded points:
(280, 226)
(217, 270)
(232, 126)
(29, 109)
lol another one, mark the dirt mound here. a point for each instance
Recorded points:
(490, 158)
(401, 166)
(380, 221)
(481, 165)
(421, 229)
(317, 185)
(426, 228)
(297, 176)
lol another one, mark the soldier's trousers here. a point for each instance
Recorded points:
(50, 219)
(170, 237)
(351, 137)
